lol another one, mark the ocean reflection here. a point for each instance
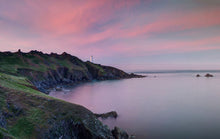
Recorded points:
(168, 106)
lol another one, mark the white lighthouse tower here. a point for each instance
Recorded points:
(91, 58)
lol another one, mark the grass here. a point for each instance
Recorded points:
(37, 111)
(4, 134)
(101, 71)
(17, 83)
(31, 117)
(36, 108)
(11, 62)
(2, 100)
(22, 129)
(36, 116)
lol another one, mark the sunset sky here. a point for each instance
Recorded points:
(128, 34)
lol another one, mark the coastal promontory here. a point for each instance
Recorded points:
(26, 111)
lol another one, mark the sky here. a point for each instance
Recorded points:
(129, 34)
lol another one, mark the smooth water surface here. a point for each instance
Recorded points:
(168, 106)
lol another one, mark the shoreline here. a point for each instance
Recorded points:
(71, 86)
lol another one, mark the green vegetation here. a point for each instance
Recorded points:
(4, 134)
(25, 126)
(2, 100)
(14, 87)
(31, 110)
(98, 69)
(17, 83)
(37, 61)
(96, 66)
(22, 129)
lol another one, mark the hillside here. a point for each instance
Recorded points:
(27, 113)
(48, 70)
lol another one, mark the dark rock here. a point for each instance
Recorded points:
(3, 121)
(36, 52)
(132, 75)
(119, 133)
(209, 75)
(132, 137)
(58, 88)
(112, 114)
(198, 75)
(68, 129)
(53, 78)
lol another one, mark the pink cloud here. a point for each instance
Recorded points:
(166, 46)
(72, 17)
(179, 21)
(166, 22)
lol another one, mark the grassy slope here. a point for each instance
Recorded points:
(32, 108)
(100, 70)
(11, 62)
(10, 88)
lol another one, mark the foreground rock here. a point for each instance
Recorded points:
(209, 75)
(198, 75)
(119, 133)
(112, 114)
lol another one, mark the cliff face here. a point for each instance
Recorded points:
(49, 70)
(54, 77)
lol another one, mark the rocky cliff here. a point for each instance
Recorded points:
(49, 70)
(27, 113)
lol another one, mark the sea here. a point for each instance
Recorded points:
(172, 104)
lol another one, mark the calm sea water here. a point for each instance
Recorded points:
(169, 106)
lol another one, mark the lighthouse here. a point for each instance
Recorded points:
(91, 58)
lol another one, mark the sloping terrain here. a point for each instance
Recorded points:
(28, 113)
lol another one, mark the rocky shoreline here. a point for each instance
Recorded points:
(64, 75)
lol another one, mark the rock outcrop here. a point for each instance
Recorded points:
(209, 75)
(112, 114)
(52, 78)
(119, 133)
